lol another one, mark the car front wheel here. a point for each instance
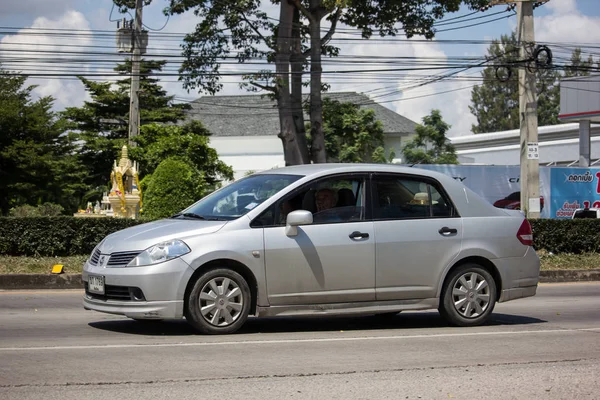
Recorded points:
(219, 302)
(468, 296)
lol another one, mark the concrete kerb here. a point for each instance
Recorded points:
(74, 281)
(41, 281)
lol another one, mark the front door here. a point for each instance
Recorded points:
(329, 261)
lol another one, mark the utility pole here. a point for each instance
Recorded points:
(134, 102)
(530, 170)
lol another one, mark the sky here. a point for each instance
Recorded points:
(558, 21)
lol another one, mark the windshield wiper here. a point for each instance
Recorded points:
(188, 215)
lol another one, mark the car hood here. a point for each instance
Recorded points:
(140, 237)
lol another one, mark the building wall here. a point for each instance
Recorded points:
(258, 153)
(558, 144)
(559, 151)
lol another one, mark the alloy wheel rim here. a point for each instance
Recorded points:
(221, 301)
(471, 295)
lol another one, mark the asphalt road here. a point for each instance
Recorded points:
(545, 347)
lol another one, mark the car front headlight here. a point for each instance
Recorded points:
(160, 252)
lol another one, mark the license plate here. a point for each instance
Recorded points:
(96, 284)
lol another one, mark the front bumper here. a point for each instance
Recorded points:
(163, 287)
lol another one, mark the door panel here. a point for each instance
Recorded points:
(411, 256)
(418, 235)
(322, 264)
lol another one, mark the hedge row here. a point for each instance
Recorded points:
(64, 236)
(566, 235)
(56, 236)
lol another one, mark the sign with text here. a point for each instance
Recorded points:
(574, 188)
(533, 151)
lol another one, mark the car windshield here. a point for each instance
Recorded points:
(238, 198)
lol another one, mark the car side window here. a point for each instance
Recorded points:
(331, 200)
(408, 198)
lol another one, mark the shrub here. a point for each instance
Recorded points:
(43, 210)
(567, 236)
(56, 236)
(24, 211)
(175, 185)
(50, 210)
(66, 236)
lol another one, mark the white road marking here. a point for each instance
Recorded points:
(293, 341)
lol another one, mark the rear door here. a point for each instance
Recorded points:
(418, 233)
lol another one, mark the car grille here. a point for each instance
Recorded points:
(95, 257)
(118, 293)
(122, 258)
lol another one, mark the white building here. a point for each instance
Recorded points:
(558, 146)
(244, 128)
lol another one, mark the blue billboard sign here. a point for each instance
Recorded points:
(573, 188)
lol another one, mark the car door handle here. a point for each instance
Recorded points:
(358, 235)
(448, 231)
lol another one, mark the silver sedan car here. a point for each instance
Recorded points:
(318, 239)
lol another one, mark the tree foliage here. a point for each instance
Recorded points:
(37, 160)
(240, 29)
(578, 66)
(175, 185)
(102, 123)
(190, 143)
(430, 144)
(352, 134)
(496, 103)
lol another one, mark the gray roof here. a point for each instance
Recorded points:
(256, 115)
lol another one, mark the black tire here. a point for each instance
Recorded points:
(211, 323)
(465, 313)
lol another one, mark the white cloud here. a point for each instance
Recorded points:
(562, 6)
(33, 8)
(34, 46)
(566, 24)
(414, 102)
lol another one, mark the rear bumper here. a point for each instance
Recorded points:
(520, 275)
(517, 293)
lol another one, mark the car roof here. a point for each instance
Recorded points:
(319, 169)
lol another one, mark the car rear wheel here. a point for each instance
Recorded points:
(468, 296)
(219, 302)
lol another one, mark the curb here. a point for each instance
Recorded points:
(41, 281)
(570, 275)
(74, 281)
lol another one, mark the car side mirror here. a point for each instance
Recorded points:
(295, 219)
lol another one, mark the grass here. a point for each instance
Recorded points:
(40, 265)
(74, 264)
(569, 261)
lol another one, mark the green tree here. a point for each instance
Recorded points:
(190, 143)
(174, 186)
(496, 103)
(296, 44)
(578, 66)
(352, 134)
(37, 160)
(102, 123)
(430, 145)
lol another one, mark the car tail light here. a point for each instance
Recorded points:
(525, 234)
